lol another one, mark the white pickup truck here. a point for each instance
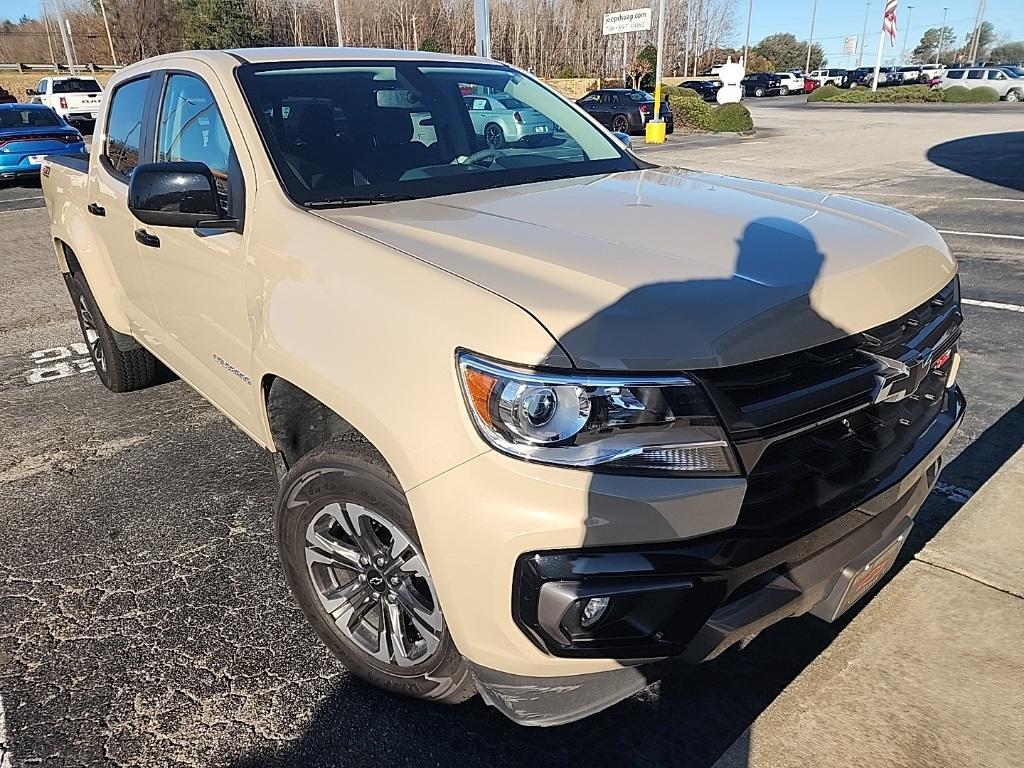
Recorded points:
(76, 99)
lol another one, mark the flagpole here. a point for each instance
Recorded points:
(878, 61)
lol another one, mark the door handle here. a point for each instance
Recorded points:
(96, 210)
(147, 239)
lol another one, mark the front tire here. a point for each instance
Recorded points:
(1013, 95)
(121, 363)
(354, 563)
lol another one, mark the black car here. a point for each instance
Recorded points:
(706, 89)
(761, 84)
(624, 109)
(6, 97)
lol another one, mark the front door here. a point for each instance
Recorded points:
(196, 276)
(121, 147)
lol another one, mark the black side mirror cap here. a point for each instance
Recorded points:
(31, 92)
(182, 194)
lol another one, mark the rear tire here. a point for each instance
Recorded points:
(784, 91)
(759, 92)
(620, 123)
(1013, 95)
(340, 505)
(494, 136)
(121, 363)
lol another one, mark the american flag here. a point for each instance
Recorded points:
(889, 21)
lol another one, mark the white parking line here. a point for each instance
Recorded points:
(993, 305)
(20, 199)
(998, 199)
(5, 751)
(952, 492)
(979, 234)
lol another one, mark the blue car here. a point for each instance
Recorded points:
(30, 132)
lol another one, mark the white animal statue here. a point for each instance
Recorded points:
(731, 74)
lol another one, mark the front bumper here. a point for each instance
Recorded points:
(761, 579)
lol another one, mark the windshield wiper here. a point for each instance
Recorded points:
(341, 202)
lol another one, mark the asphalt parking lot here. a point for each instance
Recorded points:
(143, 615)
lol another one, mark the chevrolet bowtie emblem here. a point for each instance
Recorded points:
(892, 382)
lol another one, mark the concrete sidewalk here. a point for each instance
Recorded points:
(931, 672)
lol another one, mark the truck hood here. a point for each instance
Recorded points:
(667, 269)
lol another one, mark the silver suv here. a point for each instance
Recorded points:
(1006, 83)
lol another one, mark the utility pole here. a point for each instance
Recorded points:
(71, 40)
(746, 40)
(113, 56)
(942, 36)
(863, 35)
(65, 37)
(482, 22)
(977, 31)
(49, 40)
(810, 40)
(337, 22)
(415, 35)
(660, 59)
(686, 49)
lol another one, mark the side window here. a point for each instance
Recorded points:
(591, 98)
(975, 74)
(955, 74)
(41, 87)
(190, 128)
(995, 74)
(480, 105)
(124, 125)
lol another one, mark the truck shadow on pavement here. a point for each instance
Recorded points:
(997, 158)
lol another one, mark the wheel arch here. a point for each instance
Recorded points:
(299, 422)
(100, 281)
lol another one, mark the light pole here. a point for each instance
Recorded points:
(903, 53)
(942, 36)
(746, 40)
(863, 35)
(810, 40)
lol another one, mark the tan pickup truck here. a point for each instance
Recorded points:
(547, 418)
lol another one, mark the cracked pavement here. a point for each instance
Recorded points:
(144, 619)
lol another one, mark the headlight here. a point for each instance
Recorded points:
(659, 424)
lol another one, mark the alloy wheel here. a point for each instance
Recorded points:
(92, 336)
(620, 124)
(494, 136)
(374, 583)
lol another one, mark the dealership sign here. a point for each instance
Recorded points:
(627, 21)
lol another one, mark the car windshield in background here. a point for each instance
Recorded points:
(28, 117)
(343, 133)
(77, 85)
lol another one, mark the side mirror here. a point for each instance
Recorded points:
(176, 195)
(31, 92)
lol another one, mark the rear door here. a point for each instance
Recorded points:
(196, 277)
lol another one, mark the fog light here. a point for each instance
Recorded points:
(593, 610)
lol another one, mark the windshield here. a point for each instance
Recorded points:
(345, 132)
(28, 117)
(77, 85)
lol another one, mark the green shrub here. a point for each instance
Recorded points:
(668, 91)
(731, 118)
(984, 94)
(694, 113)
(956, 95)
(825, 93)
(900, 94)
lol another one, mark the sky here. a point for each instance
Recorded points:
(835, 20)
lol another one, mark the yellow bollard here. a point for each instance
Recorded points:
(656, 132)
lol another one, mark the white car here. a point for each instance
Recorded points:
(76, 99)
(790, 83)
(828, 76)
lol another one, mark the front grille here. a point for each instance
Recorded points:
(812, 442)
